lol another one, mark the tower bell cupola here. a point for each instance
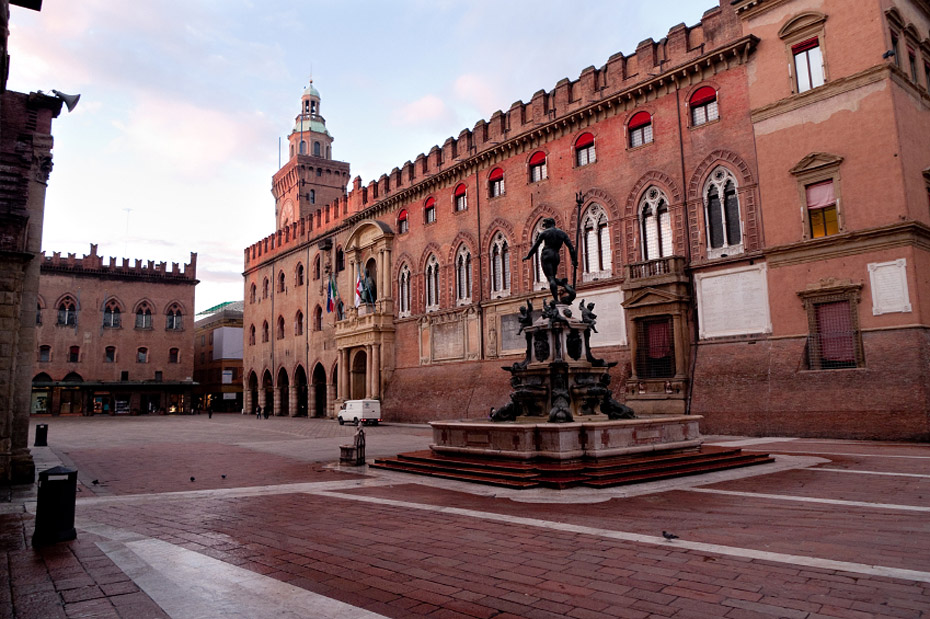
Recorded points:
(310, 136)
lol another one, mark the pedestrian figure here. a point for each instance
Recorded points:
(258, 411)
(209, 413)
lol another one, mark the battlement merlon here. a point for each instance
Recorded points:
(92, 263)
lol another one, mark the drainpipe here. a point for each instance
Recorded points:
(692, 307)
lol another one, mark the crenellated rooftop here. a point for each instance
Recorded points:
(623, 81)
(94, 264)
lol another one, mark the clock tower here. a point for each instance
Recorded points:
(310, 179)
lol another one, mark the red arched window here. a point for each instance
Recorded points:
(584, 150)
(538, 167)
(703, 106)
(461, 203)
(640, 129)
(429, 210)
(402, 225)
(496, 182)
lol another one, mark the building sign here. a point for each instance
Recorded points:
(733, 302)
(227, 377)
(889, 287)
(611, 319)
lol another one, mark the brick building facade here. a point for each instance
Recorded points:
(753, 229)
(218, 358)
(113, 337)
(25, 165)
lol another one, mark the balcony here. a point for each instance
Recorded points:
(667, 270)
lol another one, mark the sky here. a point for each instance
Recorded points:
(173, 144)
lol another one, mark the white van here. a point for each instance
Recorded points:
(364, 411)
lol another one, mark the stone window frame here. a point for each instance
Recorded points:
(496, 186)
(714, 179)
(299, 274)
(813, 169)
(403, 291)
(431, 285)
(113, 314)
(143, 316)
(279, 328)
(595, 218)
(800, 28)
(653, 204)
(586, 154)
(460, 198)
(174, 318)
(464, 280)
(537, 169)
(707, 106)
(251, 335)
(640, 130)
(500, 265)
(142, 354)
(48, 357)
(831, 291)
(253, 293)
(265, 332)
(67, 309)
(106, 354)
(299, 323)
(174, 355)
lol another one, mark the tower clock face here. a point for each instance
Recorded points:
(287, 213)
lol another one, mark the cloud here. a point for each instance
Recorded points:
(428, 111)
(478, 91)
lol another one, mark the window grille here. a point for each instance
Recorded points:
(655, 348)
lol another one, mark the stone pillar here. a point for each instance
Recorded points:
(292, 403)
(343, 378)
(311, 401)
(248, 407)
(369, 371)
(276, 400)
(376, 371)
(330, 397)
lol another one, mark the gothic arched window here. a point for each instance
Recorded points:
(173, 321)
(67, 312)
(143, 316)
(721, 214)
(595, 247)
(403, 292)
(463, 276)
(500, 266)
(111, 315)
(432, 284)
(655, 225)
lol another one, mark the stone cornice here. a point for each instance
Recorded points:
(747, 9)
(904, 234)
(815, 95)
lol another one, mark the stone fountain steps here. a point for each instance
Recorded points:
(600, 473)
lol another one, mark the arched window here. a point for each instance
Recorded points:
(279, 332)
(584, 150)
(265, 288)
(463, 276)
(496, 182)
(74, 354)
(45, 353)
(640, 129)
(281, 282)
(429, 210)
(252, 335)
(316, 149)
(67, 312)
(539, 278)
(340, 260)
(111, 315)
(316, 268)
(461, 197)
(173, 321)
(252, 293)
(596, 244)
(703, 105)
(38, 313)
(538, 169)
(403, 290)
(300, 274)
(174, 355)
(402, 224)
(143, 316)
(500, 266)
(318, 318)
(142, 355)
(299, 323)
(432, 284)
(312, 196)
(721, 214)
(109, 354)
(655, 225)
(265, 331)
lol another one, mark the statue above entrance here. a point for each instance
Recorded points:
(552, 239)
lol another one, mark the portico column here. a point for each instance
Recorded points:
(368, 371)
(311, 403)
(376, 371)
(330, 398)
(276, 402)
(343, 374)
(247, 405)
(292, 400)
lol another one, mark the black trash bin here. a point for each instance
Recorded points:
(41, 435)
(55, 506)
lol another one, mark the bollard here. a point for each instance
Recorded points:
(41, 435)
(55, 507)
